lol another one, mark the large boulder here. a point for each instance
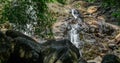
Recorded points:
(4, 48)
(15, 47)
(14, 34)
(25, 51)
(110, 58)
(62, 51)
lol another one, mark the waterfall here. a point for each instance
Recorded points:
(75, 28)
(74, 35)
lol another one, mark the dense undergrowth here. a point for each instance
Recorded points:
(14, 11)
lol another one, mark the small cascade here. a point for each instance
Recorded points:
(74, 35)
(75, 28)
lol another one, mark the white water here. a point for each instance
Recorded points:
(74, 35)
(75, 28)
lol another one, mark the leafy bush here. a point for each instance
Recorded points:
(16, 11)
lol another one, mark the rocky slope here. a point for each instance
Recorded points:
(101, 37)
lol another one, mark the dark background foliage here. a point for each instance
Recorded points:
(111, 4)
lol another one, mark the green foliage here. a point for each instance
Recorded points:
(4, 3)
(117, 15)
(62, 1)
(15, 12)
(111, 3)
(115, 4)
(91, 1)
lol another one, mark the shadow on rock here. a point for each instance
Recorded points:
(110, 58)
(62, 51)
(19, 48)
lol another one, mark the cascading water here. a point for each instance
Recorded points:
(74, 35)
(75, 28)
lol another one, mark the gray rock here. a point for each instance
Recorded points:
(110, 58)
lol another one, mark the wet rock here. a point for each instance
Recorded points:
(62, 51)
(81, 60)
(14, 34)
(16, 47)
(23, 49)
(117, 38)
(110, 58)
(5, 48)
(96, 60)
(2, 35)
(112, 46)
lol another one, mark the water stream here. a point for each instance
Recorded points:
(75, 29)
